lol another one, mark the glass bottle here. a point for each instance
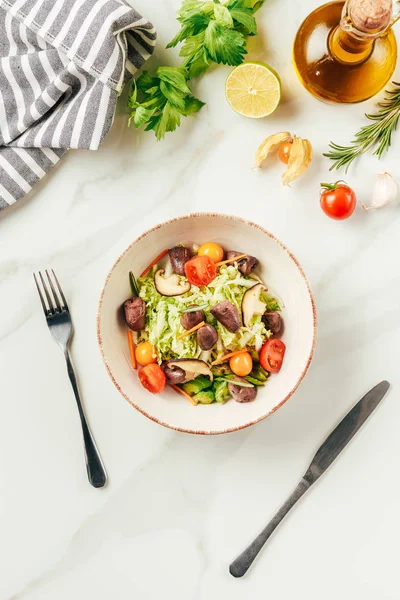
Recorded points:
(347, 51)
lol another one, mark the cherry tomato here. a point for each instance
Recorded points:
(338, 200)
(213, 250)
(153, 378)
(241, 364)
(284, 151)
(145, 354)
(200, 270)
(271, 355)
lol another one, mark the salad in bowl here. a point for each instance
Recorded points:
(202, 321)
(205, 324)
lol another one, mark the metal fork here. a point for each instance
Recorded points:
(59, 322)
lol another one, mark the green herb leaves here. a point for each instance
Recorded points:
(214, 32)
(244, 16)
(224, 45)
(134, 285)
(166, 98)
(210, 32)
(378, 133)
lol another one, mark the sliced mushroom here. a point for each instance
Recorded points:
(251, 303)
(192, 367)
(179, 255)
(170, 286)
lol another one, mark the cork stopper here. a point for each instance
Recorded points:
(371, 15)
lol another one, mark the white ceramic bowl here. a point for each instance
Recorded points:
(279, 270)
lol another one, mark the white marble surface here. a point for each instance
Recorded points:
(178, 508)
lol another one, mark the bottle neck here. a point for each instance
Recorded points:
(352, 41)
(349, 49)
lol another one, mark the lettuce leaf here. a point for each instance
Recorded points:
(163, 315)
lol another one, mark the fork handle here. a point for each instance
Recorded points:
(94, 465)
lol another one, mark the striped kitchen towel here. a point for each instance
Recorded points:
(62, 65)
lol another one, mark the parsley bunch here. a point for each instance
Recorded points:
(211, 32)
(166, 98)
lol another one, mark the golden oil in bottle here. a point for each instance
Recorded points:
(338, 62)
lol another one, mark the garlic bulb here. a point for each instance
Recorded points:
(386, 190)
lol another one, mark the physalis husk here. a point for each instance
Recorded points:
(299, 159)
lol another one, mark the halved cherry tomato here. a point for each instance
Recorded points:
(145, 354)
(213, 250)
(271, 355)
(153, 378)
(200, 270)
(284, 151)
(241, 364)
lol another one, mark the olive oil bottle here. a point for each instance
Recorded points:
(347, 51)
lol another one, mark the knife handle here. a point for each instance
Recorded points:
(243, 562)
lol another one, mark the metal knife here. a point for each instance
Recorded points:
(330, 449)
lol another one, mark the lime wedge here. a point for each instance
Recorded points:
(253, 90)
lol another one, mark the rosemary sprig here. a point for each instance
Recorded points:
(378, 133)
(134, 285)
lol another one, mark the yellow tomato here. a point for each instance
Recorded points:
(241, 364)
(145, 354)
(212, 250)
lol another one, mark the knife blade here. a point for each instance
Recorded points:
(325, 456)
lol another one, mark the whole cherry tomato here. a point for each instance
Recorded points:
(338, 200)
(153, 378)
(200, 270)
(213, 250)
(284, 151)
(145, 354)
(271, 355)
(241, 364)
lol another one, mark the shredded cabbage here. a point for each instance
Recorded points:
(163, 326)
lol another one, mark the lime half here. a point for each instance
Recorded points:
(253, 90)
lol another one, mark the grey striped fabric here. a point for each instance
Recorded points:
(62, 65)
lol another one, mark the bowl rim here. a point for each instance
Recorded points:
(182, 218)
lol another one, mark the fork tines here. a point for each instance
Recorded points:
(50, 293)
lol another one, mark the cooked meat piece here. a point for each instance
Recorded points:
(173, 373)
(179, 257)
(193, 367)
(207, 337)
(245, 265)
(242, 394)
(191, 319)
(227, 314)
(135, 313)
(272, 322)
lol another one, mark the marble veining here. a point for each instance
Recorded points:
(179, 508)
